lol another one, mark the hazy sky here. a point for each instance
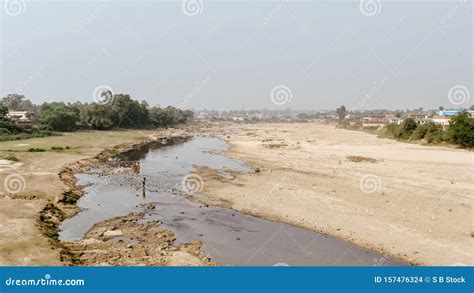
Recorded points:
(231, 54)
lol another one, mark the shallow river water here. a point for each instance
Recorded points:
(229, 237)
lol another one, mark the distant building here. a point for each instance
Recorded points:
(441, 120)
(201, 115)
(374, 121)
(392, 119)
(454, 112)
(418, 115)
(23, 119)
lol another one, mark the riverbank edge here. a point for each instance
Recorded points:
(382, 135)
(59, 209)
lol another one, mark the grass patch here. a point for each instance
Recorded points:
(36, 150)
(275, 145)
(73, 257)
(23, 135)
(50, 219)
(360, 159)
(70, 198)
(9, 157)
(58, 148)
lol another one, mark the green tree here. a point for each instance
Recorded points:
(99, 117)
(16, 102)
(160, 117)
(7, 126)
(341, 112)
(3, 110)
(461, 130)
(407, 127)
(59, 119)
(127, 110)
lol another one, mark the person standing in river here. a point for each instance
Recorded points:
(143, 184)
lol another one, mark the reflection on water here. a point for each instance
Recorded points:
(229, 237)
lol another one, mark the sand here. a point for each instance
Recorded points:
(404, 200)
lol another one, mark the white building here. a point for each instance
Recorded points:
(441, 120)
(23, 119)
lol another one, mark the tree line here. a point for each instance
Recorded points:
(460, 130)
(120, 111)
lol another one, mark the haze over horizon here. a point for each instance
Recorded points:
(230, 55)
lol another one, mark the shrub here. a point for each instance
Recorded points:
(21, 135)
(461, 130)
(36, 150)
(392, 131)
(431, 132)
(419, 132)
(407, 128)
(9, 157)
(4, 131)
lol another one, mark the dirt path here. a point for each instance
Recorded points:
(405, 200)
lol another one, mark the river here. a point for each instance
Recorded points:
(229, 237)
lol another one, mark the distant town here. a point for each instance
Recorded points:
(374, 118)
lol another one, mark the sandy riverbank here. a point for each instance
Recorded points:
(405, 200)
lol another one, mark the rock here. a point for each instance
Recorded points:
(113, 233)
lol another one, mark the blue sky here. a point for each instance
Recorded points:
(230, 55)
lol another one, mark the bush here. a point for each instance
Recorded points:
(392, 131)
(4, 131)
(36, 150)
(407, 128)
(55, 148)
(9, 157)
(461, 130)
(420, 132)
(5, 122)
(431, 132)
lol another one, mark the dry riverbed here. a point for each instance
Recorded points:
(404, 200)
(41, 192)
